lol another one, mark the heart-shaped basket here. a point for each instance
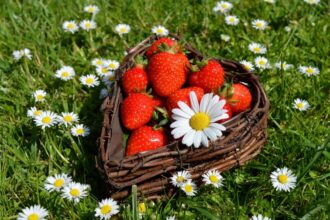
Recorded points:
(151, 170)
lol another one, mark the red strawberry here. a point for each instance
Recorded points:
(182, 95)
(239, 98)
(144, 139)
(154, 48)
(167, 72)
(158, 102)
(135, 80)
(136, 110)
(229, 112)
(210, 77)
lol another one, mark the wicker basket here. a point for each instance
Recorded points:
(150, 171)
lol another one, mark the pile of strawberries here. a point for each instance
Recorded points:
(153, 90)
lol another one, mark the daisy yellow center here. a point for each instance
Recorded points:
(259, 24)
(262, 62)
(74, 192)
(112, 65)
(70, 26)
(257, 49)
(188, 188)
(33, 216)
(282, 178)
(122, 30)
(232, 20)
(214, 179)
(46, 119)
(106, 209)
(160, 31)
(40, 97)
(58, 183)
(91, 10)
(309, 70)
(104, 70)
(180, 179)
(247, 67)
(200, 121)
(80, 131)
(300, 105)
(99, 62)
(37, 113)
(88, 25)
(65, 74)
(89, 80)
(224, 6)
(67, 118)
(142, 208)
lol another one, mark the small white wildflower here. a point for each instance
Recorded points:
(68, 118)
(112, 64)
(189, 188)
(301, 105)
(231, 20)
(87, 25)
(106, 209)
(312, 2)
(70, 26)
(80, 130)
(257, 48)
(98, 62)
(283, 179)
(225, 37)
(35, 212)
(89, 80)
(46, 119)
(309, 70)
(259, 217)
(122, 29)
(261, 63)
(259, 24)
(65, 73)
(75, 191)
(57, 182)
(247, 65)
(39, 95)
(34, 112)
(213, 177)
(283, 65)
(223, 7)
(159, 30)
(93, 9)
(19, 54)
(180, 177)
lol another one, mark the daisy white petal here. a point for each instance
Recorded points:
(65, 73)
(223, 7)
(262, 63)
(231, 20)
(259, 217)
(80, 130)
(309, 70)
(57, 182)
(35, 212)
(18, 54)
(89, 80)
(122, 29)
(283, 179)
(109, 79)
(301, 105)
(188, 138)
(75, 191)
(257, 48)
(27, 53)
(87, 25)
(70, 26)
(283, 65)
(68, 118)
(39, 95)
(259, 24)
(247, 65)
(46, 119)
(34, 112)
(159, 30)
(93, 9)
(312, 2)
(111, 64)
(107, 208)
(98, 62)
(270, 1)
(180, 177)
(225, 37)
(213, 177)
(189, 188)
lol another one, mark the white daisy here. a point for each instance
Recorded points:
(89, 80)
(198, 123)
(247, 65)
(39, 95)
(180, 177)
(189, 188)
(301, 105)
(103, 70)
(270, 1)
(112, 64)
(309, 70)
(103, 93)
(27, 53)
(225, 37)
(46, 119)
(257, 48)
(106, 209)
(223, 7)
(231, 20)
(213, 177)
(287, 28)
(97, 62)
(261, 63)
(35, 212)
(68, 118)
(159, 30)
(259, 24)
(33, 112)
(75, 191)
(80, 130)
(87, 25)
(259, 217)
(70, 26)
(93, 9)
(65, 73)
(57, 182)
(170, 218)
(19, 54)
(283, 65)
(283, 179)
(122, 29)
(109, 79)
(312, 2)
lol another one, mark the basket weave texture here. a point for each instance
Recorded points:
(151, 170)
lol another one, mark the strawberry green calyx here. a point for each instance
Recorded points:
(174, 49)
(202, 63)
(227, 90)
(140, 62)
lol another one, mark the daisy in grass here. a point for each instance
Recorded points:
(46, 119)
(98, 62)
(112, 64)
(270, 1)
(57, 182)
(170, 218)
(39, 95)
(159, 30)
(80, 130)
(283, 65)
(75, 191)
(259, 217)
(312, 2)
(93, 9)
(122, 29)
(70, 26)
(213, 177)
(223, 7)
(225, 37)
(231, 20)
(283, 179)
(301, 105)
(257, 48)
(180, 177)
(109, 79)
(89, 80)
(87, 25)
(261, 63)
(199, 123)
(33, 112)
(309, 70)
(247, 65)
(189, 188)
(19, 54)
(106, 209)
(65, 73)
(103, 70)
(103, 93)
(259, 24)
(35, 212)
(287, 28)
(68, 118)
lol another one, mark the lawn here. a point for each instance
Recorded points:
(297, 33)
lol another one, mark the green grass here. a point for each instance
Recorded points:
(296, 139)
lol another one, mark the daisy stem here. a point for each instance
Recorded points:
(91, 41)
